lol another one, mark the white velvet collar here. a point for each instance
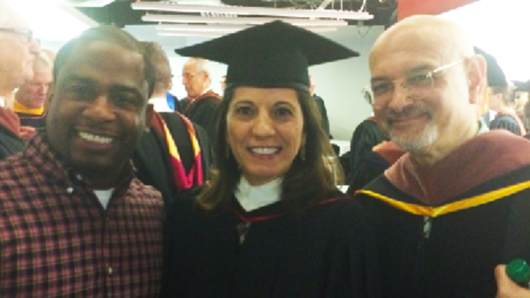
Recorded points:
(254, 197)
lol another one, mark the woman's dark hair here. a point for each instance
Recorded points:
(112, 35)
(310, 177)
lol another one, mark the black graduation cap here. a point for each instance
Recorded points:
(496, 77)
(271, 55)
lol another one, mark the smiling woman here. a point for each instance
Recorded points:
(265, 131)
(271, 223)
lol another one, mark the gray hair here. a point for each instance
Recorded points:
(202, 65)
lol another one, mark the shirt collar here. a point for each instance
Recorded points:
(482, 127)
(254, 197)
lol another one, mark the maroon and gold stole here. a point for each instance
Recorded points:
(181, 179)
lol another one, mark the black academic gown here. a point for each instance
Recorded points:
(366, 135)
(203, 111)
(325, 252)
(152, 159)
(507, 122)
(37, 121)
(453, 254)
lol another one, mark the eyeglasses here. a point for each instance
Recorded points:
(25, 34)
(416, 85)
(187, 76)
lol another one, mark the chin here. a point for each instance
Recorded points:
(416, 141)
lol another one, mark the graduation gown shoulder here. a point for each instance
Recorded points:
(451, 248)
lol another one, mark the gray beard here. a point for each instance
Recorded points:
(418, 142)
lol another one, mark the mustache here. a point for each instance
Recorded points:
(407, 112)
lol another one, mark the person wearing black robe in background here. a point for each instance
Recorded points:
(271, 223)
(501, 98)
(201, 102)
(365, 136)
(321, 107)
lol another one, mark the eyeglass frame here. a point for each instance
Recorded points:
(369, 95)
(189, 76)
(27, 33)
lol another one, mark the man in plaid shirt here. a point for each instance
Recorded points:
(74, 220)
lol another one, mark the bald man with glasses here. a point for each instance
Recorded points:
(457, 203)
(18, 50)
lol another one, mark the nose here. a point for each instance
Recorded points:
(399, 97)
(100, 110)
(263, 125)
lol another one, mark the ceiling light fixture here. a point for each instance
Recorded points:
(239, 20)
(222, 29)
(264, 11)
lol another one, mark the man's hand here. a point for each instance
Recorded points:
(506, 287)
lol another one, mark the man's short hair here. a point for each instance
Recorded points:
(202, 65)
(42, 61)
(161, 66)
(110, 34)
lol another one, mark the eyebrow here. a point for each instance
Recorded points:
(89, 81)
(79, 79)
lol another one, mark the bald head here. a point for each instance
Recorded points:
(438, 36)
(436, 82)
(16, 58)
(9, 18)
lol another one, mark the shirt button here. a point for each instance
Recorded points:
(110, 270)
(69, 190)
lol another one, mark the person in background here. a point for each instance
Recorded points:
(271, 223)
(163, 77)
(321, 107)
(31, 97)
(16, 47)
(456, 203)
(502, 101)
(501, 98)
(223, 83)
(74, 220)
(174, 154)
(365, 137)
(201, 102)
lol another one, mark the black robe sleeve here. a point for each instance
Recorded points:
(364, 138)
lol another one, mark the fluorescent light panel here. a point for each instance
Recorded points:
(51, 22)
(280, 12)
(240, 20)
(221, 29)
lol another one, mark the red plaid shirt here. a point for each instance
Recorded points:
(56, 240)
